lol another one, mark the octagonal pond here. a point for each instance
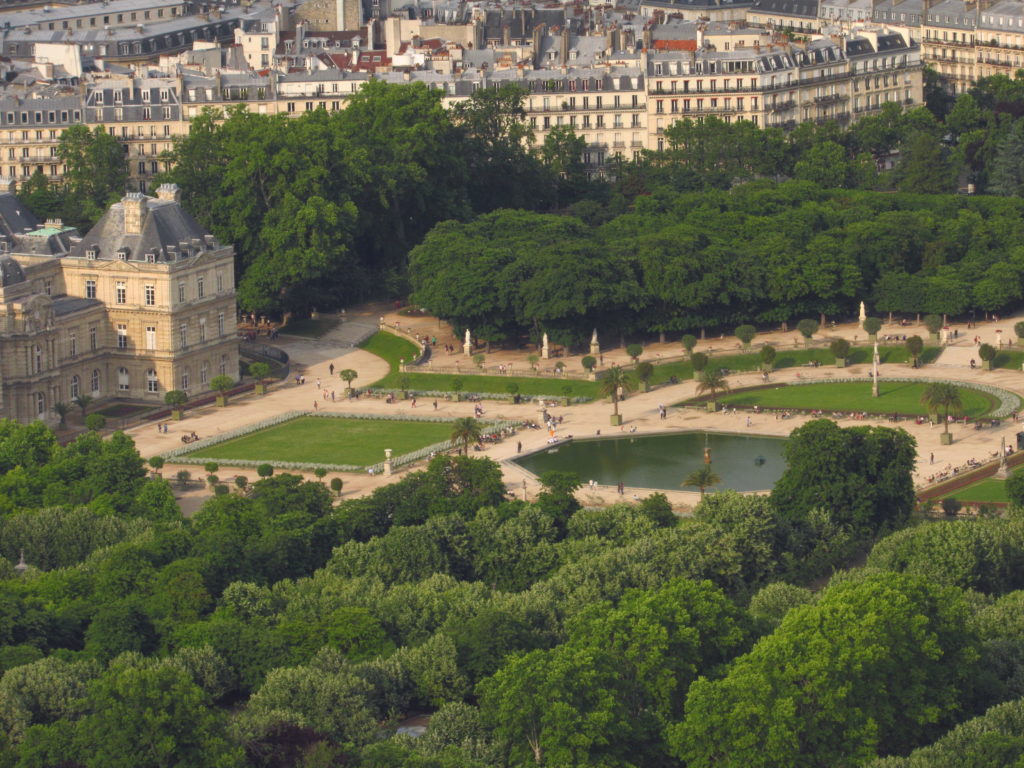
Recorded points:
(662, 461)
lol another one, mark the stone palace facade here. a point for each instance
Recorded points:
(141, 304)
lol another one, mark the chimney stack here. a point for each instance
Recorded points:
(169, 192)
(133, 204)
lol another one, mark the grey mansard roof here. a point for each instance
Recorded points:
(11, 272)
(167, 229)
(15, 217)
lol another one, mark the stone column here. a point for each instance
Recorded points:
(387, 462)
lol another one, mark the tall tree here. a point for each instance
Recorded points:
(96, 176)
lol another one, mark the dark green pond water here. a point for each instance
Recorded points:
(663, 461)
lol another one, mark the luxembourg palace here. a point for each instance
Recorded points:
(141, 304)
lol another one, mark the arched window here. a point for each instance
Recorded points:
(185, 380)
(76, 387)
(204, 372)
(40, 404)
(123, 382)
(94, 382)
(152, 384)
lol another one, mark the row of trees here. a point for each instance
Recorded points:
(760, 253)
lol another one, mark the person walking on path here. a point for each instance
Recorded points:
(622, 489)
(331, 368)
(519, 446)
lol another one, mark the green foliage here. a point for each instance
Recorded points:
(95, 422)
(699, 361)
(941, 396)
(767, 354)
(466, 431)
(589, 363)
(265, 470)
(259, 371)
(96, 174)
(1015, 488)
(915, 346)
(800, 706)
(987, 352)
(860, 475)
(689, 341)
(175, 398)
(745, 333)
(872, 325)
(222, 383)
(807, 327)
(932, 322)
(840, 348)
(634, 351)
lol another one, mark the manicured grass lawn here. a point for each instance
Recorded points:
(1011, 359)
(790, 358)
(323, 440)
(983, 492)
(314, 329)
(392, 348)
(894, 397)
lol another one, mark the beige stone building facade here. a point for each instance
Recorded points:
(142, 304)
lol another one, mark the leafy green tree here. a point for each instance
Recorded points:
(1015, 488)
(825, 164)
(62, 410)
(840, 348)
(872, 325)
(96, 175)
(95, 422)
(589, 363)
(83, 402)
(634, 351)
(1006, 173)
(767, 356)
(945, 397)
(689, 341)
(155, 717)
(562, 153)
(797, 700)
(862, 475)
(807, 328)
(771, 603)
(348, 375)
(259, 371)
(37, 193)
(746, 334)
(987, 353)
(699, 362)
(925, 166)
(915, 346)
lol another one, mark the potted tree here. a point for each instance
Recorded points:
(513, 389)
(987, 353)
(767, 355)
(183, 477)
(265, 470)
(807, 328)
(712, 381)
(457, 387)
(644, 371)
(157, 463)
(567, 394)
(241, 481)
(1018, 328)
(872, 325)
(699, 361)
(934, 324)
(616, 381)
(260, 372)
(745, 333)
(221, 384)
(689, 341)
(478, 361)
(941, 395)
(634, 351)
(404, 383)
(348, 376)
(589, 363)
(95, 422)
(336, 485)
(175, 398)
(915, 346)
(840, 348)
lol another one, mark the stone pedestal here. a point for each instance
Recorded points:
(711, 406)
(616, 420)
(387, 462)
(946, 438)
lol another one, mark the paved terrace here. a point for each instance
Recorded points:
(312, 357)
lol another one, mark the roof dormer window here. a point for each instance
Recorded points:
(90, 254)
(122, 254)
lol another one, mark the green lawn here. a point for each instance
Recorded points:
(309, 327)
(894, 397)
(982, 492)
(327, 440)
(790, 358)
(1010, 358)
(392, 348)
